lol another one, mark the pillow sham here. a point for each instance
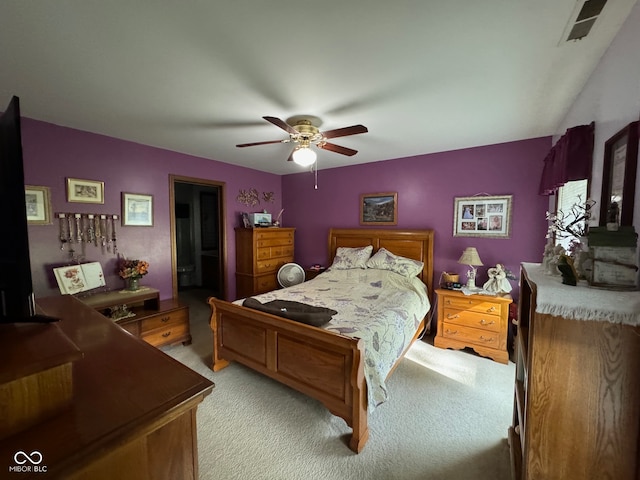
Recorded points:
(351, 257)
(383, 259)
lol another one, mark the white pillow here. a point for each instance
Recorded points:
(383, 259)
(348, 257)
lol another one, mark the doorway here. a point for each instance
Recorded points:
(198, 240)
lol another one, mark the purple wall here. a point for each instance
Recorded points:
(426, 187)
(53, 153)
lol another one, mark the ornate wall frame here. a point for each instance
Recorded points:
(619, 174)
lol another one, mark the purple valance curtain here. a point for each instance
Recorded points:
(569, 159)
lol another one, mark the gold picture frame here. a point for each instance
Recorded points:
(38, 203)
(482, 216)
(85, 191)
(379, 208)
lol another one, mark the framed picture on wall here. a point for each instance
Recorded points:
(38, 201)
(379, 208)
(137, 210)
(85, 191)
(619, 176)
(482, 216)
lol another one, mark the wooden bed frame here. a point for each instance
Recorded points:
(321, 364)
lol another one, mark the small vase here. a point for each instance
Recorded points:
(132, 284)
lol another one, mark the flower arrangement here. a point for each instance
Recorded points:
(573, 223)
(133, 268)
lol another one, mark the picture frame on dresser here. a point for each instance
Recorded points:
(482, 216)
(619, 174)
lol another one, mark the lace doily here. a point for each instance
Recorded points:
(582, 302)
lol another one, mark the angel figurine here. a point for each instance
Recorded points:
(497, 282)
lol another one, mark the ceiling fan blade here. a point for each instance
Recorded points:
(338, 149)
(282, 124)
(258, 143)
(343, 132)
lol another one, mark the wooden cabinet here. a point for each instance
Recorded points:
(130, 412)
(158, 322)
(260, 252)
(577, 395)
(480, 322)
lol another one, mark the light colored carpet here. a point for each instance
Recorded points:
(447, 418)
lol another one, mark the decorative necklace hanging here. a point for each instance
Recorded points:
(103, 230)
(91, 232)
(62, 226)
(113, 234)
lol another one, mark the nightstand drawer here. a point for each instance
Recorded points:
(475, 304)
(473, 319)
(167, 335)
(165, 319)
(471, 335)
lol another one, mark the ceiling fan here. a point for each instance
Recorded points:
(304, 131)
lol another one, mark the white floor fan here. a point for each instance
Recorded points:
(290, 274)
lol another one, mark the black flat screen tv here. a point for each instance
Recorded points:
(17, 302)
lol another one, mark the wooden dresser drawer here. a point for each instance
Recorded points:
(265, 253)
(265, 283)
(475, 304)
(471, 335)
(165, 319)
(275, 241)
(272, 265)
(170, 334)
(473, 319)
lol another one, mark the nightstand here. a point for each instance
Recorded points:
(311, 273)
(480, 322)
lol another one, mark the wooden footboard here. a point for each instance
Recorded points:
(319, 363)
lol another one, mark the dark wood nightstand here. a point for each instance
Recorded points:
(311, 273)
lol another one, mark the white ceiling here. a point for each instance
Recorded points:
(196, 76)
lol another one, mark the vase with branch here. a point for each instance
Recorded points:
(572, 224)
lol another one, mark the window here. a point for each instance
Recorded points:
(569, 194)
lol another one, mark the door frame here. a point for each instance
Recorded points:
(173, 179)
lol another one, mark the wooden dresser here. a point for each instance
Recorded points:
(260, 252)
(577, 389)
(128, 412)
(480, 322)
(158, 322)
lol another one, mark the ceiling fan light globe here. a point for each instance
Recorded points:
(304, 156)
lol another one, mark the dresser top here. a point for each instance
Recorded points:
(582, 302)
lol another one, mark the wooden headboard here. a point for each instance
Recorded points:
(414, 244)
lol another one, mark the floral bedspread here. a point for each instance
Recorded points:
(379, 306)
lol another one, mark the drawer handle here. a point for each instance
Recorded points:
(166, 334)
(451, 332)
(492, 309)
(451, 316)
(484, 339)
(165, 319)
(447, 301)
(484, 322)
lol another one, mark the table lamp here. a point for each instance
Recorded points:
(471, 258)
